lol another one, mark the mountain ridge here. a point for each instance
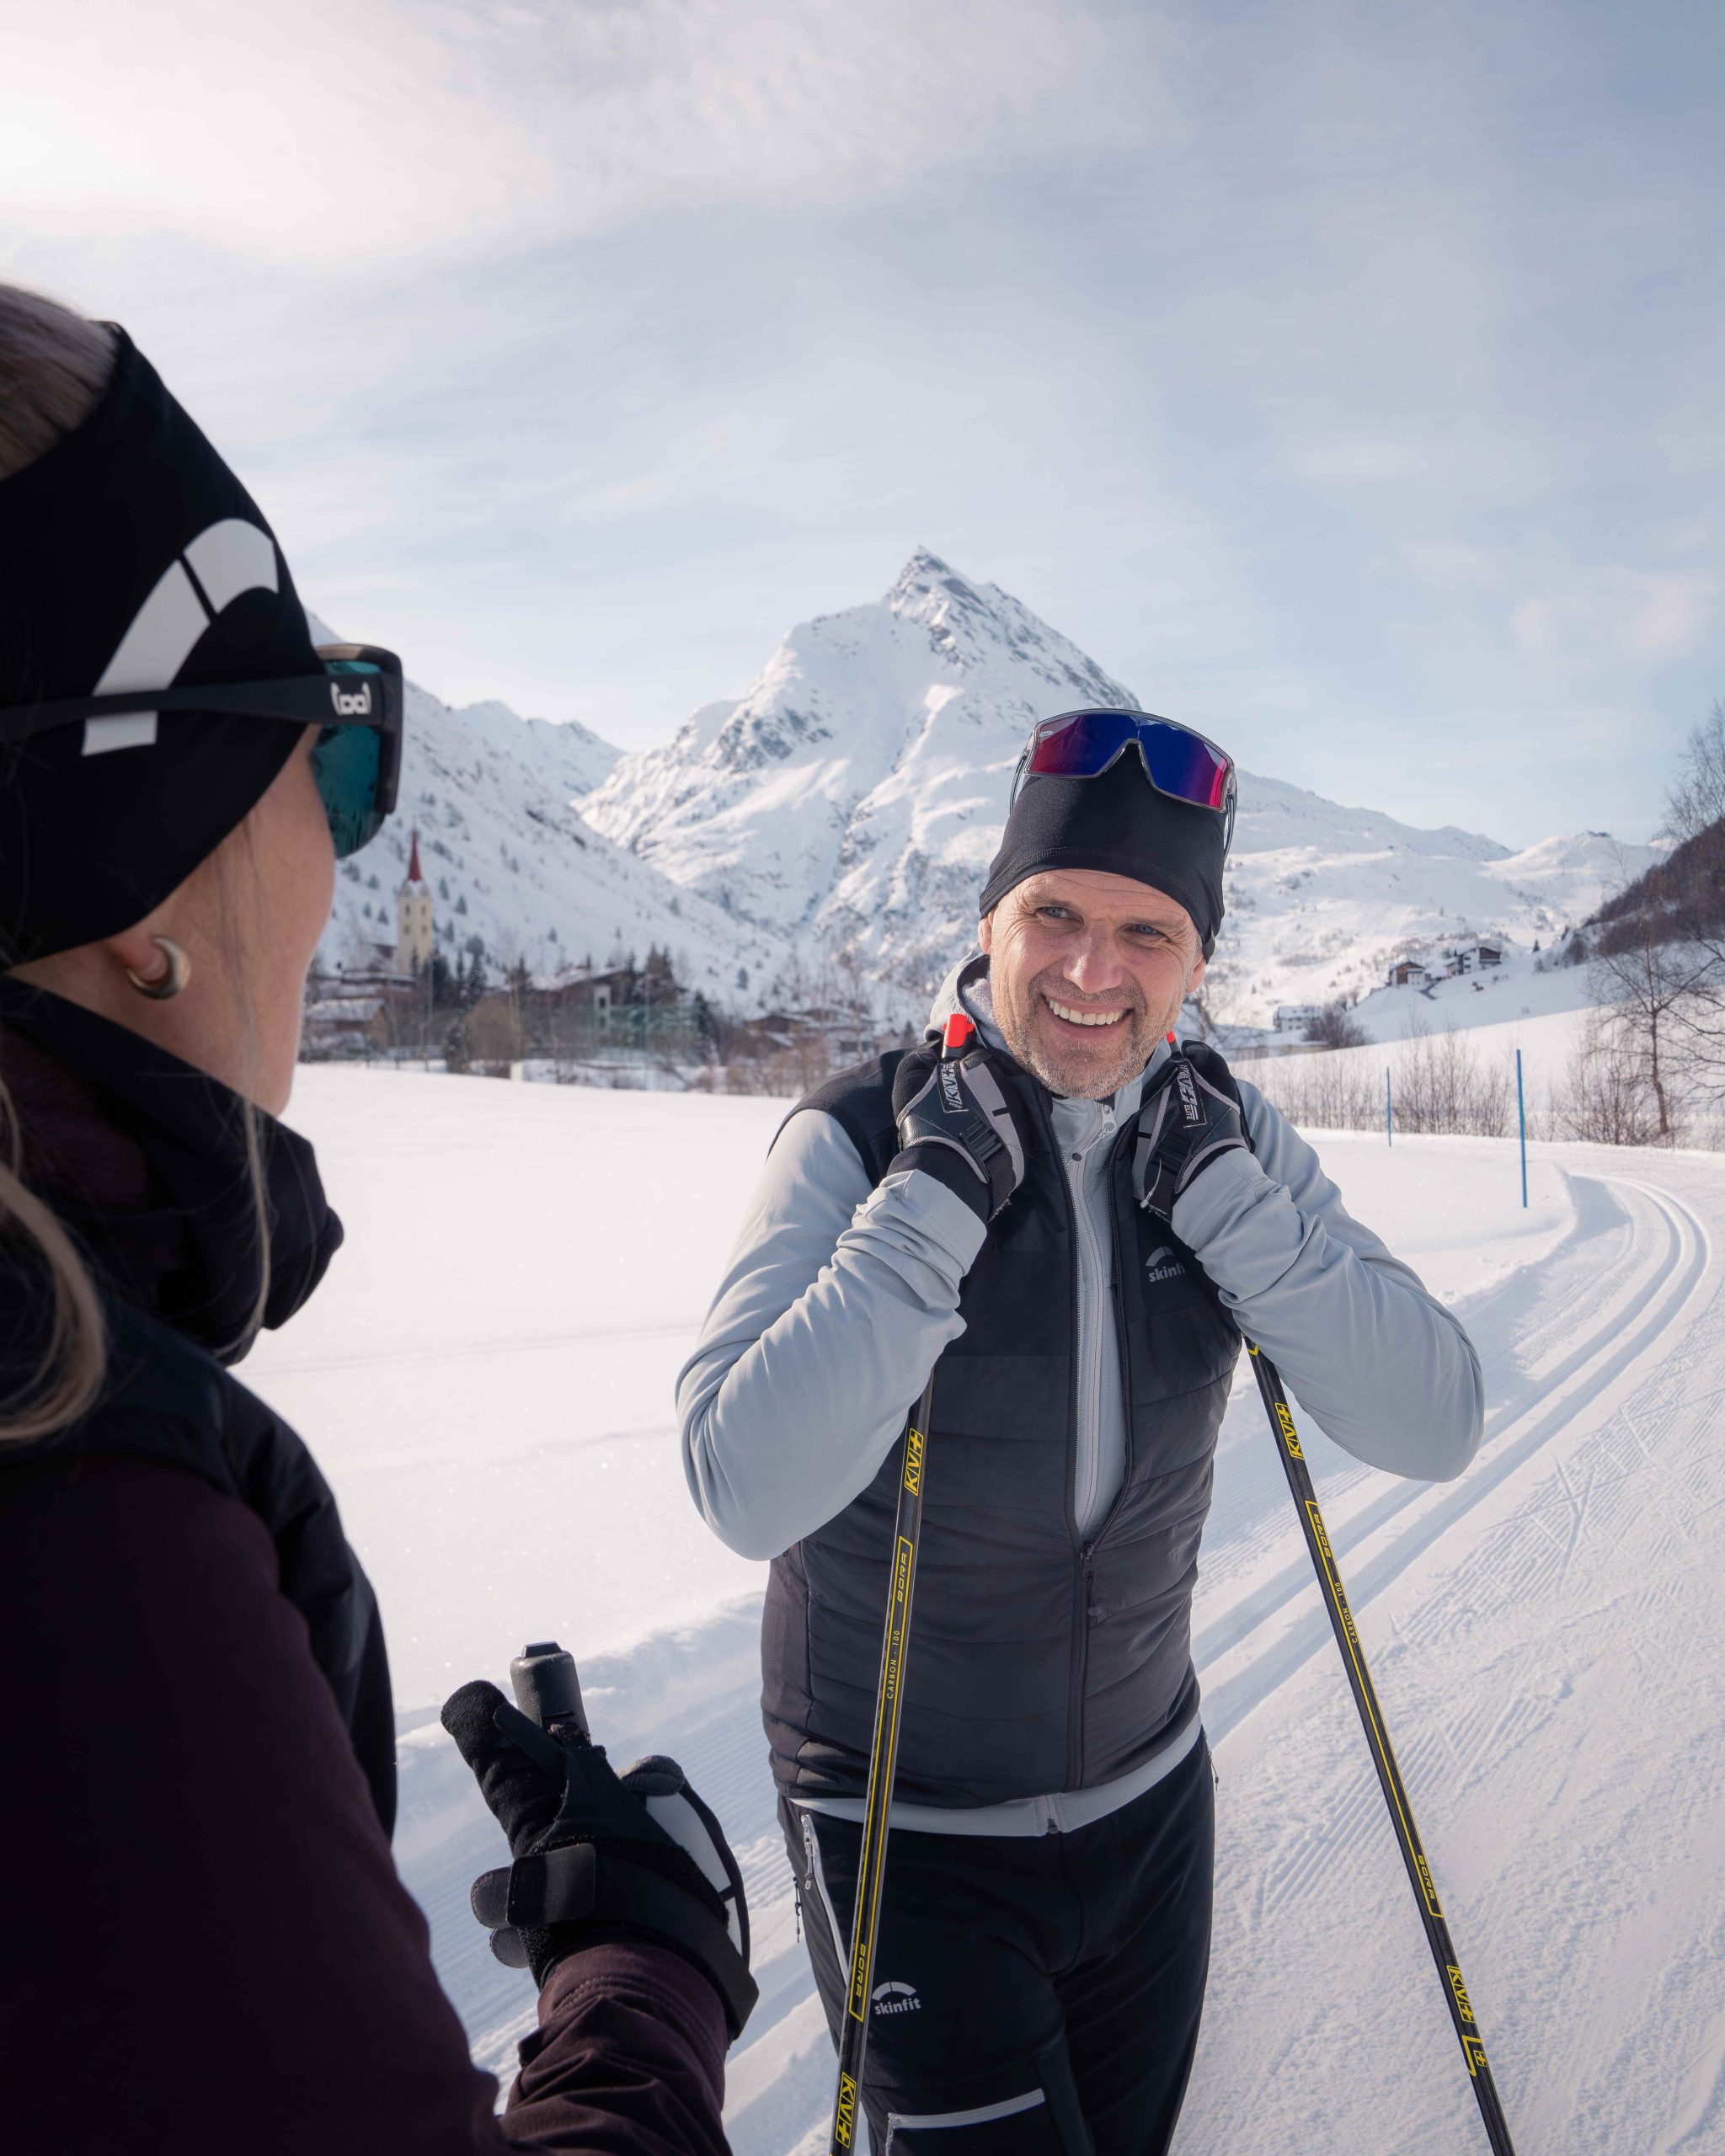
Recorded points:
(853, 794)
(849, 803)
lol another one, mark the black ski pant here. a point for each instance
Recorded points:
(1035, 1995)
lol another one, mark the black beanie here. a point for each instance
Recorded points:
(1119, 823)
(131, 557)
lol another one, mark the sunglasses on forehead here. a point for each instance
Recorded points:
(357, 700)
(1177, 761)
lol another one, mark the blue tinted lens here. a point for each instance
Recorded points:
(345, 764)
(1083, 744)
(1180, 764)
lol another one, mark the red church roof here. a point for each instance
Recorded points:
(414, 875)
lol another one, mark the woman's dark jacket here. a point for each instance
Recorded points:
(208, 1945)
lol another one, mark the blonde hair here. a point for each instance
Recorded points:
(54, 365)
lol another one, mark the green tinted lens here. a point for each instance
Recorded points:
(345, 765)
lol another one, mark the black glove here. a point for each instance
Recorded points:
(957, 1124)
(1190, 1116)
(598, 1857)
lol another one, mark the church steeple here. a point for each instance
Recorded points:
(415, 937)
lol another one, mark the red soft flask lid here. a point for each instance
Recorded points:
(957, 1033)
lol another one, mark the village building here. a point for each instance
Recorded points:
(1471, 958)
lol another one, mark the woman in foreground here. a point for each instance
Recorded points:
(209, 1948)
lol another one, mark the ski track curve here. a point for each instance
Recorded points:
(1591, 1366)
(1378, 1541)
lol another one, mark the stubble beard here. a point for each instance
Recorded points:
(1024, 1021)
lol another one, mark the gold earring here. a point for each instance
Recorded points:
(176, 972)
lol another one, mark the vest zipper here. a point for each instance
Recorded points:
(1081, 1664)
(1124, 1344)
(1087, 1553)
(1085, 1362)
(1075, 1686)
(1088, 1347)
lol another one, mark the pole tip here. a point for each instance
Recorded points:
(956, 1034)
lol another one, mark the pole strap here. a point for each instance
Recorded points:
(580, 1884)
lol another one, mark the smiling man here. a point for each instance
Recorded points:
(1071, 1233)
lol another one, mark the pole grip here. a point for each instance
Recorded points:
(547, 1689)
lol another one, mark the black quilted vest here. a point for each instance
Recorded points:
(1037, 1663)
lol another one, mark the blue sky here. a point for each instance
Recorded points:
(1346, 379)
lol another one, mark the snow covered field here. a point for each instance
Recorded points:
(487, 1379)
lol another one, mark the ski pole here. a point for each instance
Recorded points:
(883, 1750)
(1365, 1698)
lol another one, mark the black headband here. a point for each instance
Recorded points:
(1118, 822)
(130, 557)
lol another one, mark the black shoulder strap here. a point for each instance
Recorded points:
(860, 1101)
(1209, 1066)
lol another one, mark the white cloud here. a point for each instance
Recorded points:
(1637, 615)
(368, 131)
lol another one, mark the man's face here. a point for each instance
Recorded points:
(1088, 971)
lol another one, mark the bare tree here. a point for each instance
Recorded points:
(1337, 1027)
(1697, 795)
(1606, 1098)
(1667, 1006)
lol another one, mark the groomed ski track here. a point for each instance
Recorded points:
(1545, 1633)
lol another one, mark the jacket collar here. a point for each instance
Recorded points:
(145, 1159)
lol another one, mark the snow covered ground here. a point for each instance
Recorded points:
(487, 1378)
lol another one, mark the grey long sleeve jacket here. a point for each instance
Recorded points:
(838, 1300)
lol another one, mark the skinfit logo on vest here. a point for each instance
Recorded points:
(1162, 1264)
(896, 1999)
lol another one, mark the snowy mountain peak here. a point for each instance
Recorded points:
(970, 624)
(853, 792)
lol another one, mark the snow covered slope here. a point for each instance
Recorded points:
(1321, 898)
(854, 796)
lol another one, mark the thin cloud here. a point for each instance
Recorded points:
(357, 132)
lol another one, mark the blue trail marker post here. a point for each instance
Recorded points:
(1521, 1118)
